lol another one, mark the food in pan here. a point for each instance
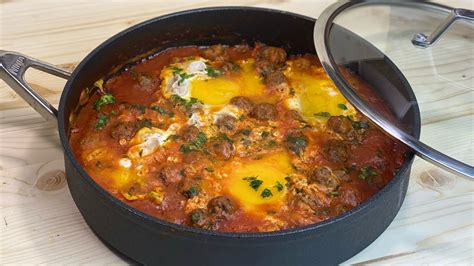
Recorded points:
(232, 138)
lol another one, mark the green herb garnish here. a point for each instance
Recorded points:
(195, 144)
(297, 143)
(104, 100)
(360, 124)
(367, 172)
(101, 121)
(253, 182)
(279, 186)
(264, 134)
(192, 192)
(195, 217)
(266, 193)
(245, 131)
(184, 76)
(323, 114)
(212, 72)
(342, 106)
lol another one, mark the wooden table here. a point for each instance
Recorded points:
(41, 224)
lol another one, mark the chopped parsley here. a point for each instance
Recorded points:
(195, 144)
(184, 76)
(323, 114)
(161, 110)
(367, 172)
(265, 134)
(183, 102)
(266, 193)
(342, 106)
(360, 124)
(104, 100)
(297, 143)
(212, 72)
(278, 186)
(144, 123)
(224, 137)
(245, 131)
(192, 192)
(101, 121)
(195, 217)
(253, 182)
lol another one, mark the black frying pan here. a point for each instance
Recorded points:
(153, 241)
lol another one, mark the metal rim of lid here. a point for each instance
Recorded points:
(321, 39)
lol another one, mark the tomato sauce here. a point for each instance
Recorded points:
(233, 138)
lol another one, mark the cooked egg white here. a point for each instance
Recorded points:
(148, 140)
(270, 171)
(210, 90)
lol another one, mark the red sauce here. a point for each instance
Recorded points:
(337, 161)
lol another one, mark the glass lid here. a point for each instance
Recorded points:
(418, 58)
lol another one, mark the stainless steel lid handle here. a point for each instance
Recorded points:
(421, 40)
(13, 67)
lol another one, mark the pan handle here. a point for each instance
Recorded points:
(13, 67)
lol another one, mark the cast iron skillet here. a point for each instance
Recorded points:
(153, 241)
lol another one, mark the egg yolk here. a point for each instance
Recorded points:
(220, 90)
(259, 183)
(317, 95)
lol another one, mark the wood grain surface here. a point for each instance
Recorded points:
(39, 223)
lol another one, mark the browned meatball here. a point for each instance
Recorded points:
(169, 175)
(275, 78)
(192, 157)
(264, 111)
(264, 68)
(221, 206)
(226, 123)
(340, 124)
(336, 150)
(273, 55)
(244, 103)
(124, 130)
(323, 176)
(189, 133)
(199, 218)
(221, 148)
(215, 53)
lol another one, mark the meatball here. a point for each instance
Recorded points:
(169, 175)
(226, 123)
(323, 176)
(340, 124)
(275, 78)
(271, 54)
(244, 103)
(189, 133)
(192, 157)
(124, 130)
(264, 111)
(264, 68)
(221, 148)
(200, 219)
(215, 53)
(336, 150)
(221, 206)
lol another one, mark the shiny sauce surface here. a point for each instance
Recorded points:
(232, 138)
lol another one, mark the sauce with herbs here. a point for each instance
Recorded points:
(237, 139)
